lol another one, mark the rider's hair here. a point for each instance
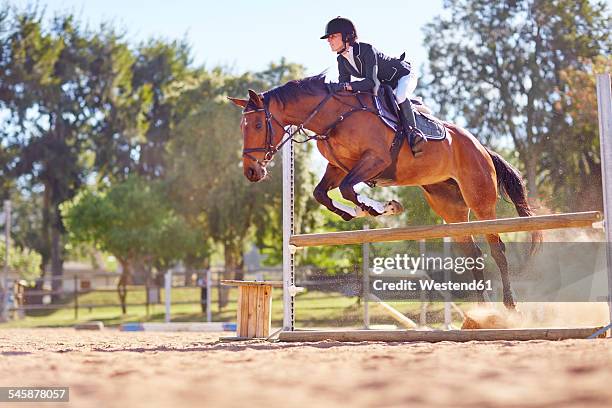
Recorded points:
(349, 38)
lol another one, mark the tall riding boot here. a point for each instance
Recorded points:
(416, 138)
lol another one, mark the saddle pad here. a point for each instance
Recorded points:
(388, 112)
(431, 127)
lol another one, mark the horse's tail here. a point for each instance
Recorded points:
(510, 184)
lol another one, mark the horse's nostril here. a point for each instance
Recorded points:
(250, 172)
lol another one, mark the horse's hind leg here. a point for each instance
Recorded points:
(498, 252)
(446, 200)
(480, 194)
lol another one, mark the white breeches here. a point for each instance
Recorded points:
(406, 86)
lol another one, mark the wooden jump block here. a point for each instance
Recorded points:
(254, 308)
(440, 335)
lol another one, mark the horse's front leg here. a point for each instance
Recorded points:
(331, 179)
(370, 165)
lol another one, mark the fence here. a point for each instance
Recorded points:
(100, 290)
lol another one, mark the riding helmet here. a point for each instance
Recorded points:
(341, 25)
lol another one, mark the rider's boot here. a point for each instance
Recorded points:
(416, 138)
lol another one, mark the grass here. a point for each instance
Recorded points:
(313, 309)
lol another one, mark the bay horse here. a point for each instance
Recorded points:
(457, 174)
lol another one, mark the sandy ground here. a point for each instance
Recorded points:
(137, 369)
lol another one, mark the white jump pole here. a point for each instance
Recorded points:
(288, 230)
(208, 295)
(4, 282)
(365, 254)
(423, 295)
(604, 103)
(167, 294)
(448, 319)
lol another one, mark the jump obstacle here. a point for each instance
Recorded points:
(292, 241)
(254, 308)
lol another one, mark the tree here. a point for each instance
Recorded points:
(161, 74)
(576, 163)
(57, 88)
(135, 222)
(24, 261)
(497, 65)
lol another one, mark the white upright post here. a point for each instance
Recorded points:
(365, 258)
(167, 294)
(448, 320)
(208, 295)
(423, 295)
(288, 230)
(604, 103)
(4, 282)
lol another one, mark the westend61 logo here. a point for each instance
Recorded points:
(411, 263)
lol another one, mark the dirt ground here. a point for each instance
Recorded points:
(110, 368)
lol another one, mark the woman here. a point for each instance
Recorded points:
(361, 60)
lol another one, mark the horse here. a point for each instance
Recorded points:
(457, 174)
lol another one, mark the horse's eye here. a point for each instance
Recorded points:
(258, 125)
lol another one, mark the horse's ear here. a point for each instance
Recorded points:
(239, 102)
(256, 98)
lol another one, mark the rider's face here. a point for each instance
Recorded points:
(335, 42)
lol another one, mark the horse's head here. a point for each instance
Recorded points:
(261, 133)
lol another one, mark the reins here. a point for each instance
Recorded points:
(270, 149)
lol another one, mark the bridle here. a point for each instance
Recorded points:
(270, 149)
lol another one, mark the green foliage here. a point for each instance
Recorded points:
(498, 66)
(159, 76)
(22, 260)
(576, 161)
(132, 220)
(59, 83)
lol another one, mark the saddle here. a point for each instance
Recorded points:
(388, 111)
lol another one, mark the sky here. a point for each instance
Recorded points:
(246, 35)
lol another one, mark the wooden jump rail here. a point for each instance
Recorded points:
(441, 335)
(412, 233)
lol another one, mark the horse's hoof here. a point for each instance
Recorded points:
(485, 319)
(360, 213)
(469, 323)
(417, 154)
(393, 207)
(509, 303)
(346, 216)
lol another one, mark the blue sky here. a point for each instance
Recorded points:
(247, 35)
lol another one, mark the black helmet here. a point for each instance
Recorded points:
(341, 25)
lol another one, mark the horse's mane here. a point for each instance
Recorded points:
(293, 90)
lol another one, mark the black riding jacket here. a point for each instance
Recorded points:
(372, 65)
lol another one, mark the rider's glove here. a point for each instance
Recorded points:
(337, 87)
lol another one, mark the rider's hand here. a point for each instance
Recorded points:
(337, 87)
